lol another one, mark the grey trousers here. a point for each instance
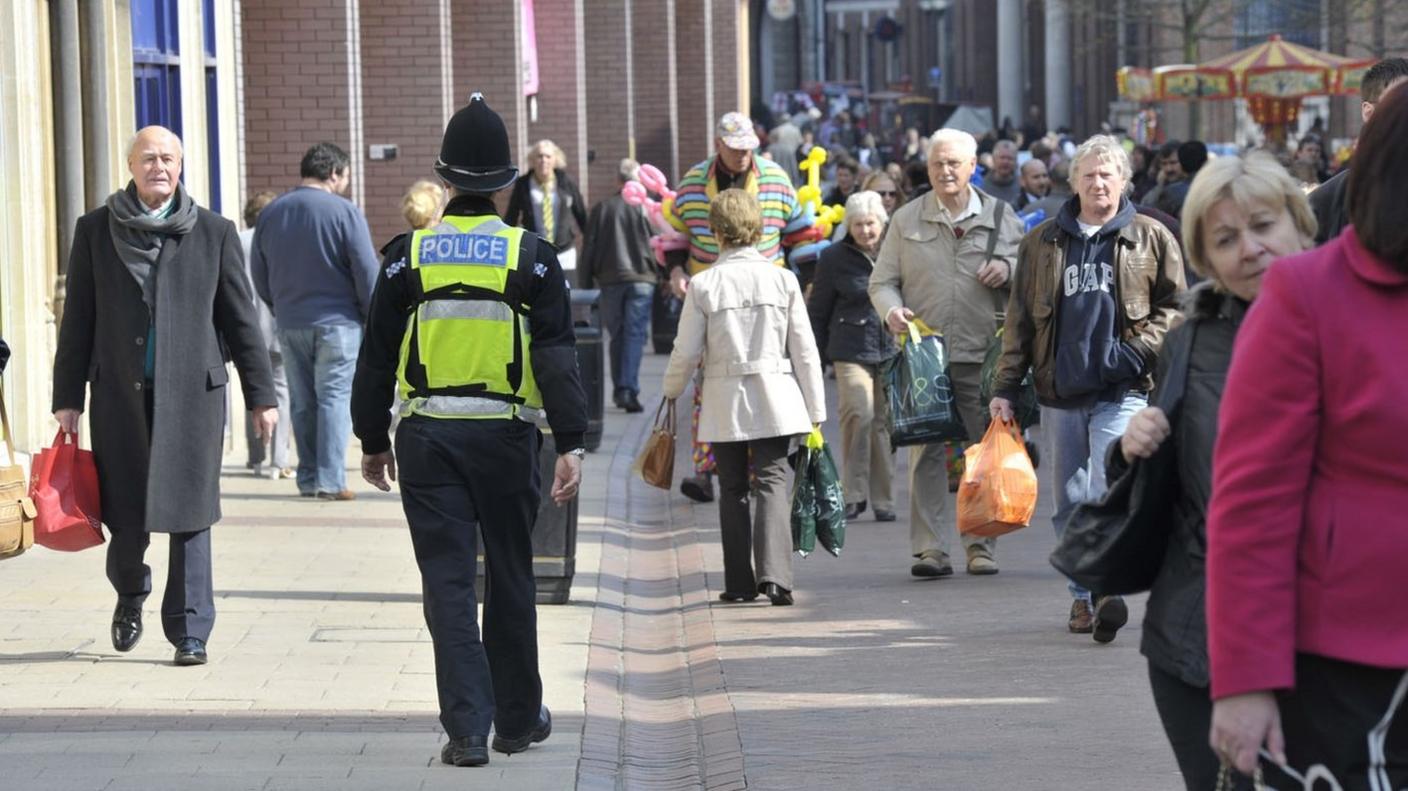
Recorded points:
(929, 525)
(188, 605)
(757, 548)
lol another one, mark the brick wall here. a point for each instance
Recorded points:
(690, 42)
(295, 92)
(483, 39)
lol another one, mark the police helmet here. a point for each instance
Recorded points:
(474, 155)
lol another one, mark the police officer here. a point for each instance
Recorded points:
(471, 321)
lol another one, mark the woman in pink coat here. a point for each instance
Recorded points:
(1308, 526)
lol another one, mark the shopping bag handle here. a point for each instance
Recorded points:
(918, 329)
(667, 405)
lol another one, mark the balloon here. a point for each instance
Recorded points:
(634, 193)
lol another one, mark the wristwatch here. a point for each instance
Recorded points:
(580, 453)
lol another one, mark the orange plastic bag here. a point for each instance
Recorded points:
(998, 492)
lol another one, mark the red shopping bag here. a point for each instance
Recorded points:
(998, 491)
(64, 487)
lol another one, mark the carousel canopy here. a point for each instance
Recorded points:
(1273, 69)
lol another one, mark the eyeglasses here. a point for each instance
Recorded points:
(886, 193)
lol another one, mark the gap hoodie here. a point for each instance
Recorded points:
(1092, 363)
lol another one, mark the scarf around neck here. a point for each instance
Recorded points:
(139, 236)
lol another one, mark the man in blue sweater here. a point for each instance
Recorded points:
(312, 261)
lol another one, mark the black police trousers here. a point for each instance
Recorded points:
(459, 477)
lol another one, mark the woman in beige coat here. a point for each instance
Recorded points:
(745, 319)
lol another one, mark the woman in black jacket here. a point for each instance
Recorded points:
(547, 184)
(855, 341)
(1240, 215)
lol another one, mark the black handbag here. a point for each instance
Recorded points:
(1116, 546)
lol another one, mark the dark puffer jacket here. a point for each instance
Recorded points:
(843, 318)
(1175, 625)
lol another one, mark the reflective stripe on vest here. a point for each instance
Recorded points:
(467, 333)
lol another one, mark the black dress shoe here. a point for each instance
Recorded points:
(465, 751)
(882, 515)
(699, 488)
(854, 510)
(780, 596)
(126, 627)
(540, 732)
(191, 651)
(632, 404)
(735, 596)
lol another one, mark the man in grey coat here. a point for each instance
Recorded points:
(158, 301)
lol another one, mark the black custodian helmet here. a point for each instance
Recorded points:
(474, 155)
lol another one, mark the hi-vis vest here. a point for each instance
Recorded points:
(465, 352)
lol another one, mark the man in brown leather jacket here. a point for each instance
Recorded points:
(1096, 289)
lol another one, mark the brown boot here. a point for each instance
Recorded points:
(1082, 619)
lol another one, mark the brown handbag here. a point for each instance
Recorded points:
(656, 461)
(16, 509)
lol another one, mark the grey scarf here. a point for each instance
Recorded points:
(139, 237)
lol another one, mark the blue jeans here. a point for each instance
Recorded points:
(320, 362)
(1078, 440)
(625, 310)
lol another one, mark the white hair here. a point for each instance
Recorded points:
(147, 130)
(966, 144)
(1106, 149)
(866, 203)
(628, 170)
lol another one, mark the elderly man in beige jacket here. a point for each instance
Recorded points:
(747, 321)
(947, 259)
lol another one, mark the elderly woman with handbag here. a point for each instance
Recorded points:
(1241, 213)
(857, 342)
(745, 319)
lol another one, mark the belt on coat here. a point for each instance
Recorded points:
(774, 366)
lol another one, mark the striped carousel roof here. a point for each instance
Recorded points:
(1276, 53)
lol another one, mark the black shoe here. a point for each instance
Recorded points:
(734, 596)
(618, 399)
(884, 516)
(780, 596)
(465, 751)
(1110, 614)
(539, 733)
(191, 651)
(854, 510)
(632, 404)
(700, 488)
(126, 627)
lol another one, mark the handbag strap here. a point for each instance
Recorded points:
(5, 419)
(667, 406)
(997, 215)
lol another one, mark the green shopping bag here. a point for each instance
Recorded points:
(1026, 410)
(923, 409)
(818, 504)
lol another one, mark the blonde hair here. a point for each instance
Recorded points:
(1106, 149)
(735, 219)
(421, 204)
(559, 157)
(1252, 178)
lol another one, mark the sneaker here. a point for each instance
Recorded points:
(1082, 619)
(1110, 614)
(699, 488)
(980, 561)
(932, 564)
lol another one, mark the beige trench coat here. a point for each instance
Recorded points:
(745, 318)
(928, 266)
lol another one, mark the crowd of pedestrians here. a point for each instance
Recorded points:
(1269, 645)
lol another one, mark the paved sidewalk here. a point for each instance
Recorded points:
(321, 675)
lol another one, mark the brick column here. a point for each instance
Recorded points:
(485, 41)
(561, 99)
(659, 66)
(609, 104)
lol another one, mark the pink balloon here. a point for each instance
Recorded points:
(653, 179)
(634, 193)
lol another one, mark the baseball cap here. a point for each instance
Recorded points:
(736, 130)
